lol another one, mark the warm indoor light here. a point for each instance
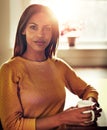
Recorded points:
(64, 9)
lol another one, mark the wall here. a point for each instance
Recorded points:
(10, 11)
(4, 30)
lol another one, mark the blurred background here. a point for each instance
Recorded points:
(84, 20)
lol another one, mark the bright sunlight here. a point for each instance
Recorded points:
(63, 9)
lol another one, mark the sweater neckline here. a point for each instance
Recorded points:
(32, 61)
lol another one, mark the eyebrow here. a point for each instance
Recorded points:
(43, 25)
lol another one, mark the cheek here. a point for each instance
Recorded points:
(48, 37)
(29, 39)
(29, 36)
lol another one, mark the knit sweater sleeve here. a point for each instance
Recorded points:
(11, 111)
(76, 84)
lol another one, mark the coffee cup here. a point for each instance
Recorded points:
(86, 103)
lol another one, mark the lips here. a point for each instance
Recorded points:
(40, 42)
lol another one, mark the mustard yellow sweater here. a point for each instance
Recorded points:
(30, 90)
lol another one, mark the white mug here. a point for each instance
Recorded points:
(86, 103)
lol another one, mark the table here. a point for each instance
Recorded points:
(93, 127)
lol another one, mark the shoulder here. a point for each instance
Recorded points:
(11, 64)
(61, 63)
(58, 60)
(63, 67)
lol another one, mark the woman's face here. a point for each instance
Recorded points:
(38, 32)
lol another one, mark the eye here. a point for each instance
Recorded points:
(33, 27)
(47, 28)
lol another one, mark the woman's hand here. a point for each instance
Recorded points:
(75, 116)
(96, 108)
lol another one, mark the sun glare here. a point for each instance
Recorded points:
(63, 9)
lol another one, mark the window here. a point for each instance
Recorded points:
(91, 14)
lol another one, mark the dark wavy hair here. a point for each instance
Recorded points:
(20, 40)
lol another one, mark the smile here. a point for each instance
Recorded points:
(40, 42)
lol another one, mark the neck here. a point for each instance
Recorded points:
(39, 57)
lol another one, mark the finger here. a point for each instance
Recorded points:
(96, 104)
(98, 111)
(85, 108)
(86, 117)
(86, 123)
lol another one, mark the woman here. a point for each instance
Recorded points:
(33, 81)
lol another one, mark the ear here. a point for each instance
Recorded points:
(24, 32)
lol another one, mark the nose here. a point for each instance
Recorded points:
(40, 32)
